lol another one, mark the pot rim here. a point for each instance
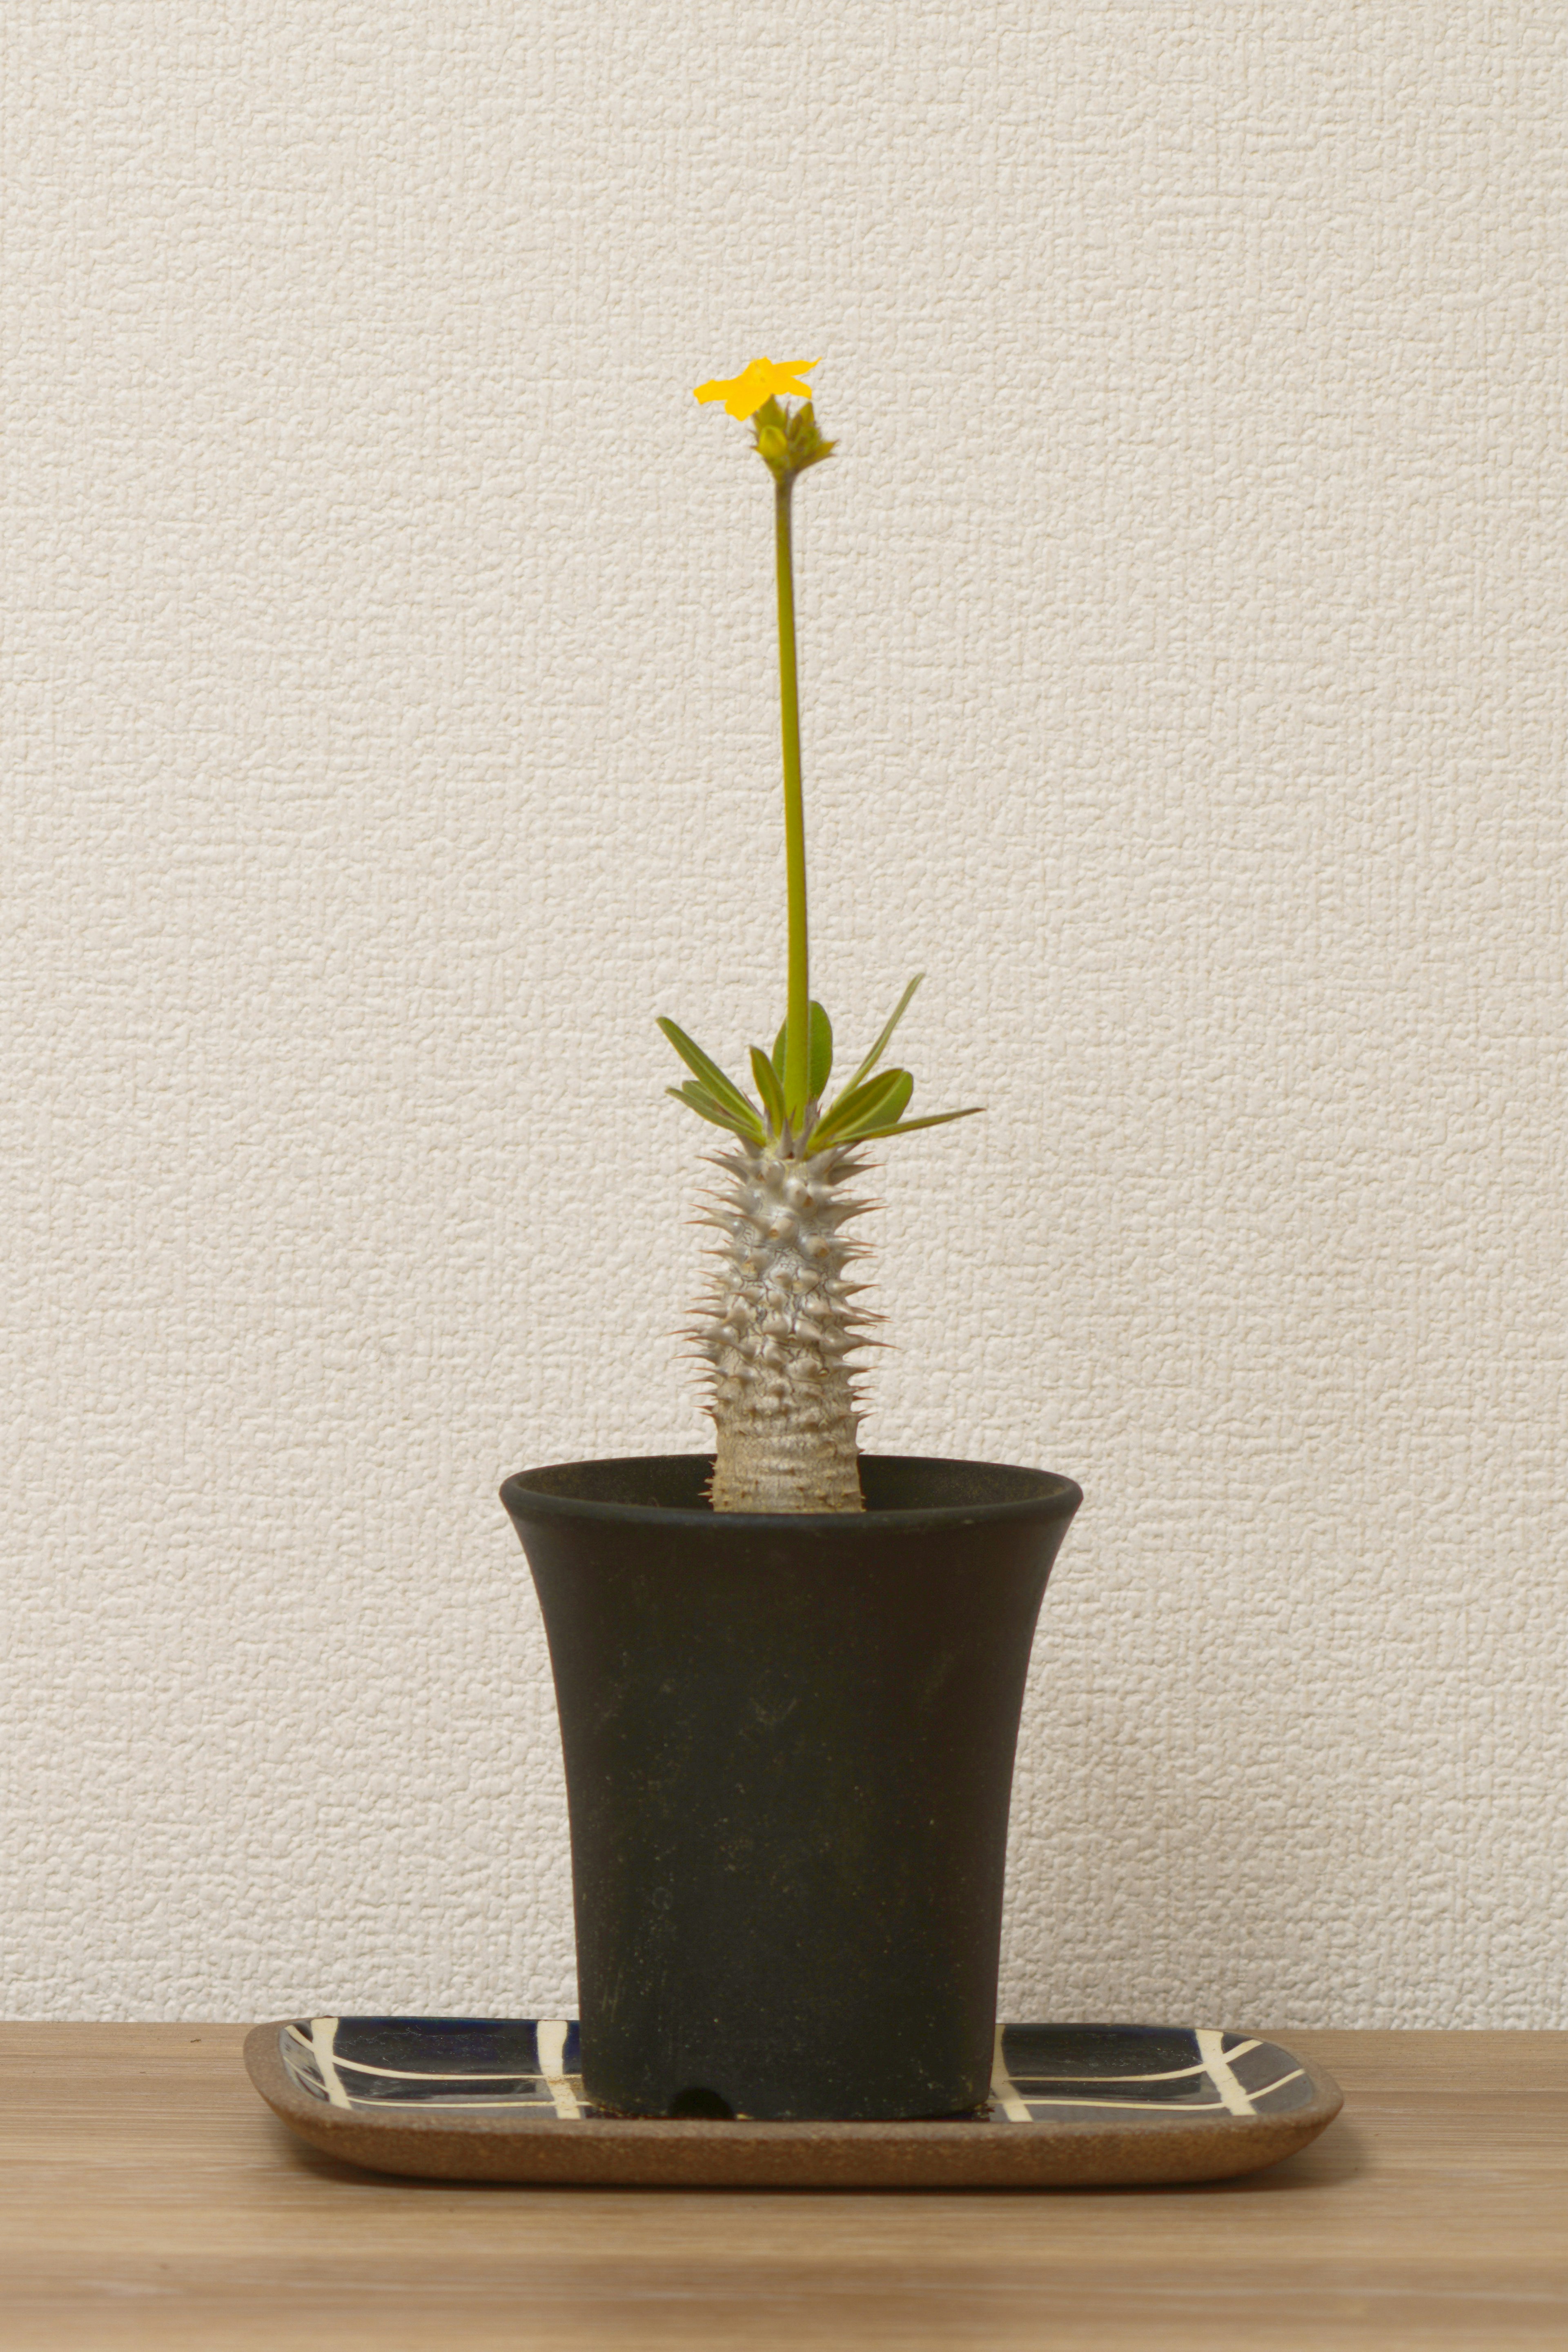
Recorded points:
(1054, 1496)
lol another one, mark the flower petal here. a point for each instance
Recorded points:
(744, 393)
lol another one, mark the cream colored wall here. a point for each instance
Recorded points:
(391, 734)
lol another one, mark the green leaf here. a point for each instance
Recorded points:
(876, 1103)
(908, 1126)
(697, 1098)
(881, 1047)
(769, 1087)
(708, 1072)
(819, 1053)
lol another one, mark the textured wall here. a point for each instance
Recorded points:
(391, 731)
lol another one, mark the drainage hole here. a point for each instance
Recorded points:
(697, 2101)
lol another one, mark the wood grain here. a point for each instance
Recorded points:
(148, 2199)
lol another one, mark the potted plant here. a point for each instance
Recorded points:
(789, 1675)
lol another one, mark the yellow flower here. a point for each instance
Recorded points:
(743, 394)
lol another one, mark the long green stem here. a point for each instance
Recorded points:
(797, 1032)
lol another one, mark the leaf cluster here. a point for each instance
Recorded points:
(870, 1106)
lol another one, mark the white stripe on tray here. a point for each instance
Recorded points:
(550, 2038)
(1174, 2074)
(1217, 2066)
(323, 2035)
(1144, 2106)
(402, 2107)
(1279, 2081)
(1004, 2090)
(423, 2074)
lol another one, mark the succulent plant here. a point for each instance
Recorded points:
(779, 1325)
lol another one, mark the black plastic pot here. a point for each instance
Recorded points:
(789, 1750)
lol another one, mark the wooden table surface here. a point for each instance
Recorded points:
(150, 2203)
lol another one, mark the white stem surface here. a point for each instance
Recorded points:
(777, 1332)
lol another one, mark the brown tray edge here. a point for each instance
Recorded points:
(668, 2152)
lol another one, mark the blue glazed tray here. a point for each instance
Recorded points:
(1071, 2106)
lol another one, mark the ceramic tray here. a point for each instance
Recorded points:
(1071, 2106)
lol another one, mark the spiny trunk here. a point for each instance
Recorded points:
(777, 1329)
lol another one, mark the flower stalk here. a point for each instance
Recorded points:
(798, 1012)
